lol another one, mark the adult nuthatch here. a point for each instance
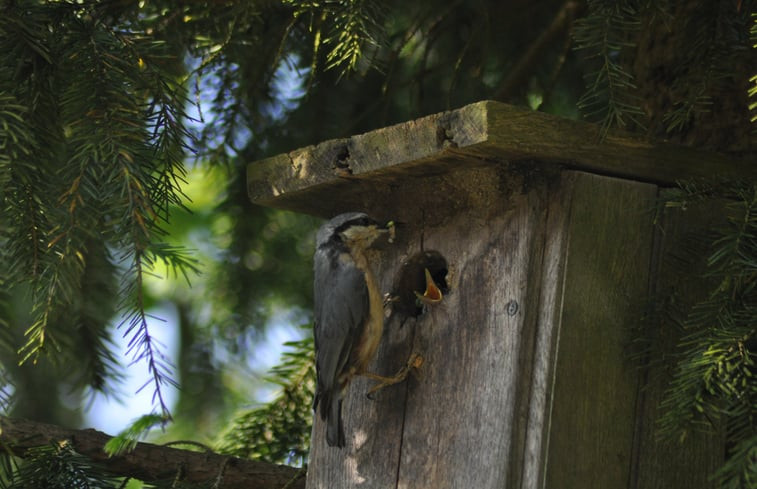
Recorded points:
(349, 318)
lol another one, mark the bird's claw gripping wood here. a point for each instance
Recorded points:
(413, 363)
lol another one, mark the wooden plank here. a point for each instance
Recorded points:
(548, 325)
(664, 463)
(464, 425)
(462, 422)
(337, 175)
(577, 145)
(592, 420)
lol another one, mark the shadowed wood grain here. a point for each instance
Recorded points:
(534, 454)
(465, 413)
(592, 420)
(541, 396)
(477, 357)
(662, 463)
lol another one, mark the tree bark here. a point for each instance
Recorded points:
(149, 462)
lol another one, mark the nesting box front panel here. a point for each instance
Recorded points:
(464, 420)
(460, 420)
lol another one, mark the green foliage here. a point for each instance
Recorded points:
(125, 441)
(300, 35)
(96, 117)
(6, 345)
(713, 386)
(717, 36)
(279, 431)
(605, 35)
(56, 467)
(740, 470)
(707, 40)
(93, 136)
(350, 25)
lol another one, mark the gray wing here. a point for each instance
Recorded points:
(341, 307)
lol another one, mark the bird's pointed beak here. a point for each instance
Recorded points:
(432, 294)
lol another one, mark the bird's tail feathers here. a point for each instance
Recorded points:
(334, 427)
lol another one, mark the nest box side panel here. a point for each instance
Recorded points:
(664, 463)
(593, 406)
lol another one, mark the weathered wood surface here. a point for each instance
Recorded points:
(593, 402)
(556, 243)
(464, 422)
(539, 397)
(429, 210)
(483, 133)
(454, 426)
(663, 463)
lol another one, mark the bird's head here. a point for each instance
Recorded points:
(355, 230)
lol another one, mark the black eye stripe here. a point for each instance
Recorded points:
(362, 221)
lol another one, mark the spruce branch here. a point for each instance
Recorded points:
(279, 431)
(740, 470)
(6, 347)
(713, 386)
(58, 466)
(604, 35)
(142, 346)
(60, 277)
(147, 462)
(717, 40)
(93, 352)
(126, 441)
(346, 26)
(101, 175)
(355, 25)
(16, 136)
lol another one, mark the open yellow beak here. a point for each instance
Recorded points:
(432, 294)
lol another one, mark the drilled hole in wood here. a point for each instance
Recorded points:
(342, 163)
(411, 282)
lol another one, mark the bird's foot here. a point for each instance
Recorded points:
(414, 362)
